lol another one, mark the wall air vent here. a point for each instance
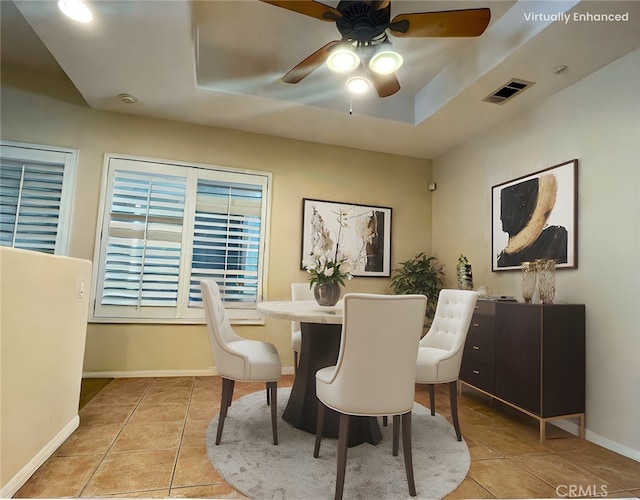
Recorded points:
(508, 91)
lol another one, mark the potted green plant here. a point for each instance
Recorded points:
(421, 275)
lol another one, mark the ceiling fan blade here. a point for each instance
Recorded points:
(385, 85)
(308, 8)
(377, 4)
(382, 4)
(310, 64)
(452, 23)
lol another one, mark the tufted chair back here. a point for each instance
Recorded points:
(441, 349)
(449, 328)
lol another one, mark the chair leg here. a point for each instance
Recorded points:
(408, 457)
(343, 445)
(268, 395)
(396, 435)
(272, 391)
(225, 402)
(453, 397)
(319, 429)
(432, 398)
(385, 421)
(295, 363)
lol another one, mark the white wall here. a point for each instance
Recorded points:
(43, 331)
(300, 170)
(597, 121)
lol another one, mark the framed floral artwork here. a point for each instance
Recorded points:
(536, 217)
(358, 234)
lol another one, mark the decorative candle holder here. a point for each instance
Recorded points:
(529, 273)
(546, 280)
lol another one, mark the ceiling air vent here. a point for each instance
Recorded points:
(508, 91)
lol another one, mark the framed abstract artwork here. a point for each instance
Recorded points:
(359, 232)
(536, 217)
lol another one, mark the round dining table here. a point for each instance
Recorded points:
(321, 328)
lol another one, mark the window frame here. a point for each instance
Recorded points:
(184, 313)
(28, 152)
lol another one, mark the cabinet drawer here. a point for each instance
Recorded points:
(480, 345)
(483, 319)
(478, 374)
(485, 308)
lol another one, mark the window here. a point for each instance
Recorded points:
(36, 189)
(165, 226)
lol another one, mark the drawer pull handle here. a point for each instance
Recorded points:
(476, 372)
(476, 348)
(476, 324)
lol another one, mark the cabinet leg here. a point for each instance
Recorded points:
(542, 429)
(582, 426)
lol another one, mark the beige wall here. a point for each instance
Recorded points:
(300, 169)
(42, 332)
(596, 121)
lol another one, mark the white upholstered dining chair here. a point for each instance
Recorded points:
(299, 291)
(239, 359)
(441, 349)
(375, 371)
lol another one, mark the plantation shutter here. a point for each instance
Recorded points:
(226, 240)
(165, 226)
(144, 240)
(35, 197)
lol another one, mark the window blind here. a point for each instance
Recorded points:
(226, 240)
(36, 196)
(142, 259)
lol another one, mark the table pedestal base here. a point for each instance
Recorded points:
(320, 347)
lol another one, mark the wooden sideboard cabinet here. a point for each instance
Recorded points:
(529, 356)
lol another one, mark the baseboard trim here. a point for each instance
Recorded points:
(202, 372)
(600, 440)
(572, 427)
(17, 481)
(613, 446)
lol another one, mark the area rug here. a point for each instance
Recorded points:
(248, 460)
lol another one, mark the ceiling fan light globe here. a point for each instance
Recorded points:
(343, 61)
(76, 10)
(358, 84)
(385, 62)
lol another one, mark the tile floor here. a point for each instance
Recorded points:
(144, 437)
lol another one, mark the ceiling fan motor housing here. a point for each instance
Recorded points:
(362, 24)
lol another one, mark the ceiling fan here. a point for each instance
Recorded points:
(364, 25)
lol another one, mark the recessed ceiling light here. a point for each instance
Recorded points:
(127, 98)
(76, 10)
(559, 69)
